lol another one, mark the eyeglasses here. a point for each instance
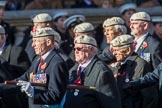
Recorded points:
(78, 49)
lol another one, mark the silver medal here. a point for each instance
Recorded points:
(76, 92)
(127, 80)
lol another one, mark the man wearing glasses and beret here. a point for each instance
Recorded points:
(90, 71)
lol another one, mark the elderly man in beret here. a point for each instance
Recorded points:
(147, 47)
(129, 66)
(39, 20)
(92, 72)
(113, 27)
(48, 69)
(81, 29)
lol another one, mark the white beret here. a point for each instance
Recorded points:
(57, 37)
(59, 14)
(73, 20)
(43, 32)
(85, 39)
(113, 21)
(140, 16)
(43, 17)
(83, 27)
(122, 40)
(126, 7)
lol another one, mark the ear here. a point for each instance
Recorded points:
(49, 42)
(145, 24)
(129, 50)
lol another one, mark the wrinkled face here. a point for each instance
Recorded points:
(120, 53)
(40, 45)
(82, 53)
(158, 29)
(137, 28)
(60, 21)
(110, 33)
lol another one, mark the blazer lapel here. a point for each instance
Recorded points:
(141, 48)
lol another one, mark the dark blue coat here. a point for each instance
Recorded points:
(150, 79)
(106, 95)
(57, 78)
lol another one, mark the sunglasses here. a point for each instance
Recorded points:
(78, 49)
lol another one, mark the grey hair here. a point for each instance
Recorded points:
(95, 48)
(121, 28)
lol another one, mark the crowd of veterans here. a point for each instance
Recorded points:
(67, 62)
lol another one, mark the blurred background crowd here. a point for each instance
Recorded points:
(61, 4)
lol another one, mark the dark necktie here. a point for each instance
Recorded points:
(78, 80)
(41, 62)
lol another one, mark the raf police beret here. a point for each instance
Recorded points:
(59, 14)
(43, 17)
(156, 19)
(2, 30)
(127, 6)
(73, 20)
(43, 32)
(113, 21)
(140, 16)
(85, 39)
(83, 27)
(122, 40)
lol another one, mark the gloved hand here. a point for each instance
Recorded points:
(26, 87)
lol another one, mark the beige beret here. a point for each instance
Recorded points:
(122, 40)
(127, 6)
(73, 20)
(113, 21)
(85, 39)
(2, 30)
(57, 37)
(83, 27)
(43, 32)
(43, 17)
(140, 16)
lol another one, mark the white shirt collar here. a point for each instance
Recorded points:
(46, 54)
(139, 41)
(85, 64)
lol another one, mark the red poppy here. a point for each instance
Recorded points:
(43, 66)
(145, 44)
